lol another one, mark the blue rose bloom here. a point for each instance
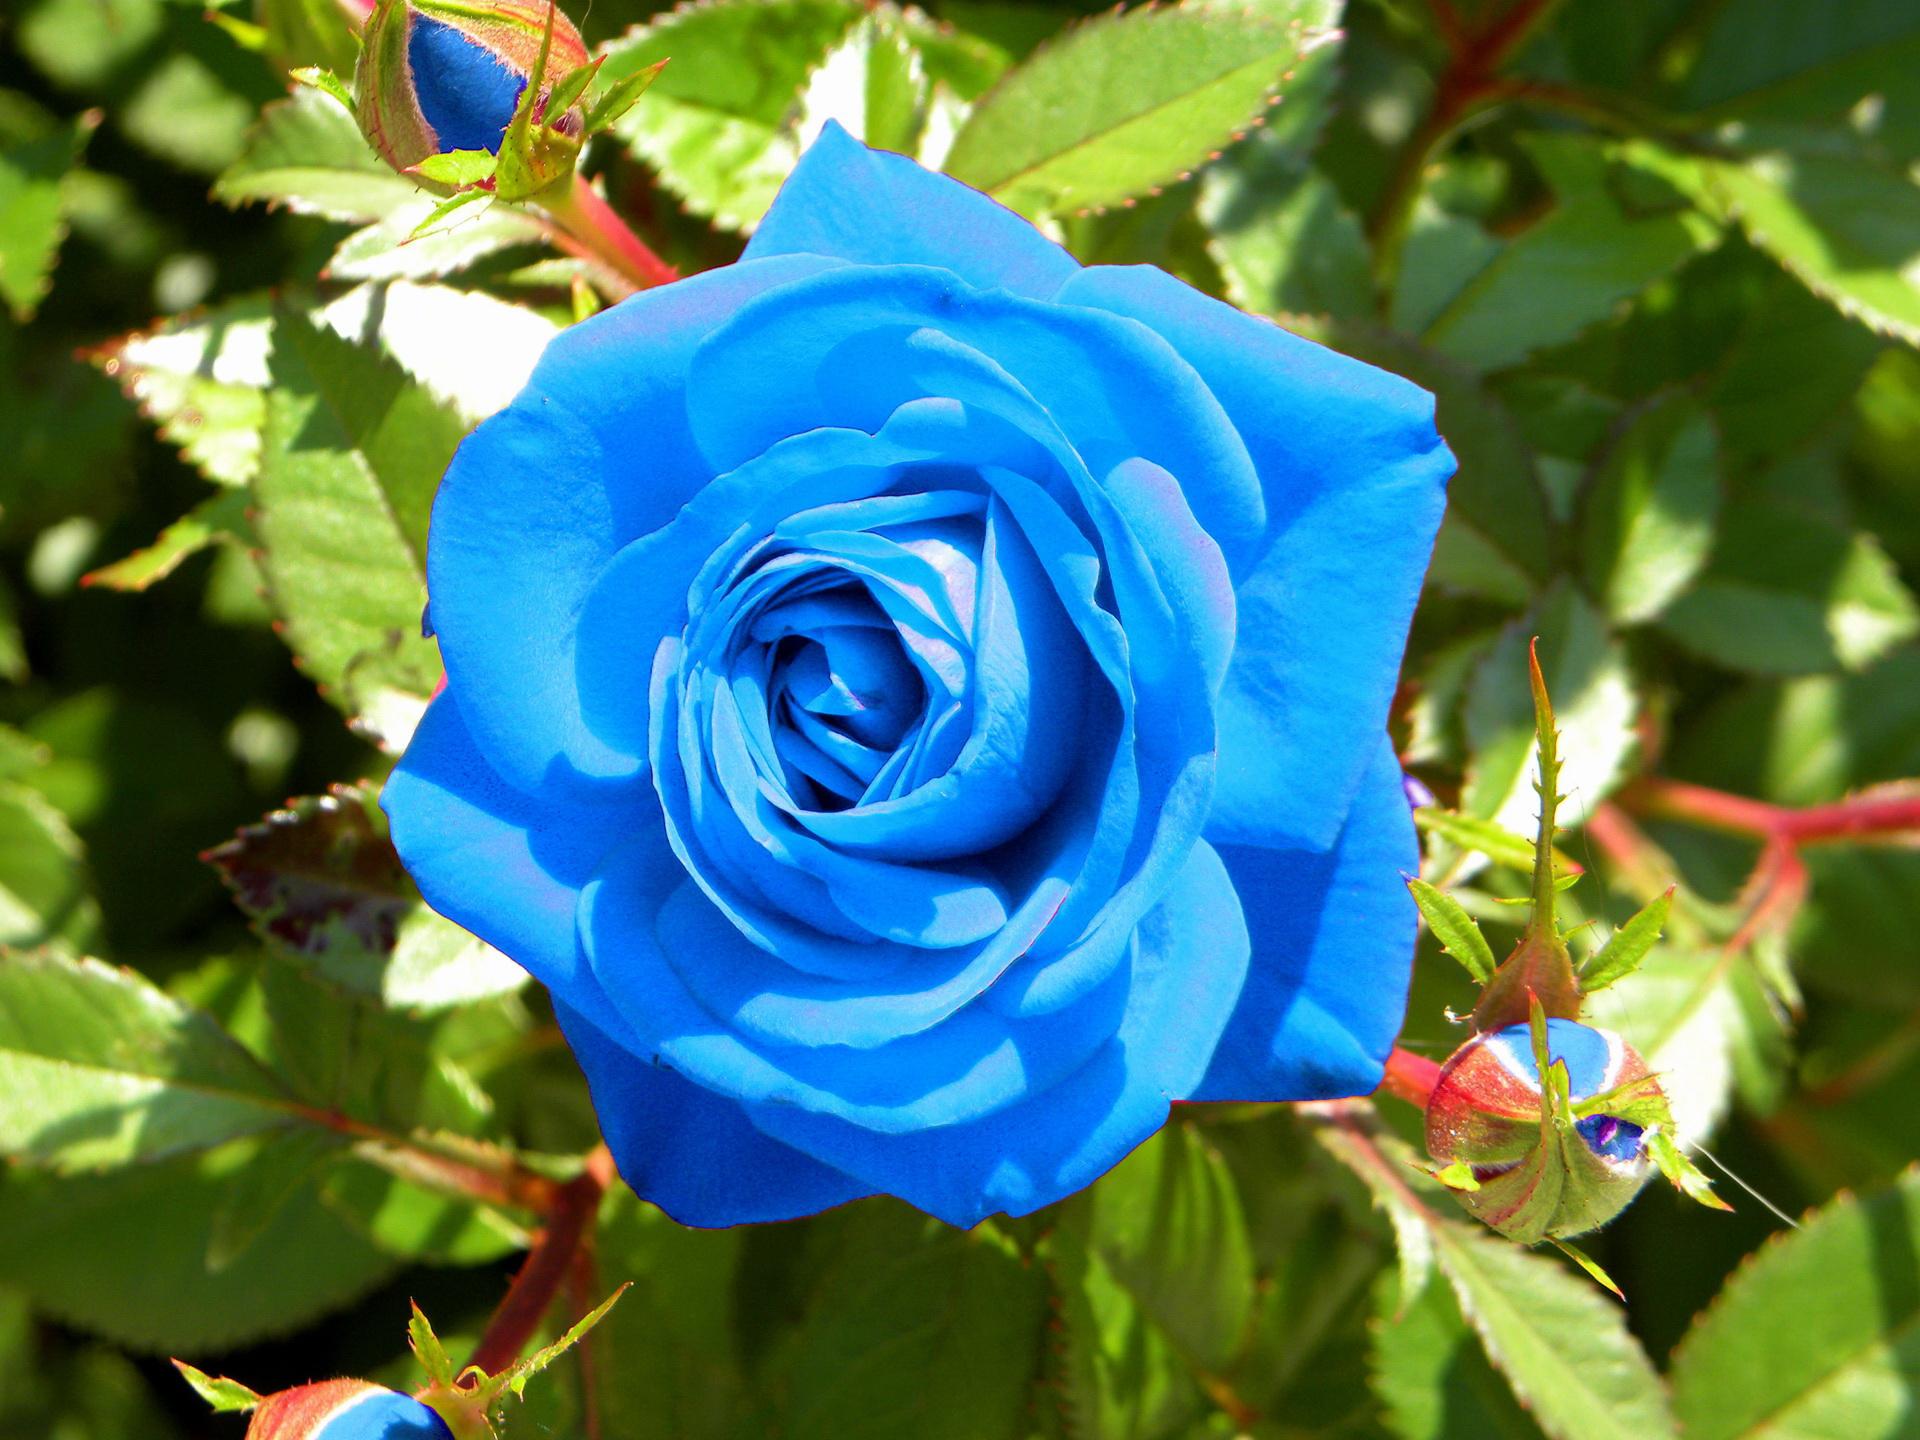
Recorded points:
(919, 706)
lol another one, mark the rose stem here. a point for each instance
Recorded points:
(1466, 87)
(592, 228)
(568, 1222)
(1410, 1077)
(1863, 815)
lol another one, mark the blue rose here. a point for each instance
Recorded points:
(919, 705)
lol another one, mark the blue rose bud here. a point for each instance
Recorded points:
(1541, 1169)
(345, 1410)
(435, 77)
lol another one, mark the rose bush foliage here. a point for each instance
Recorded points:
(919, 705)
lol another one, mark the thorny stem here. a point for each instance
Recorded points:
(1466, 87)
(568, 1223)
(590, 227)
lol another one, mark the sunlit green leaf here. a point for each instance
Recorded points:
(1128, 102)
(98, 1068)
(1817, 1334)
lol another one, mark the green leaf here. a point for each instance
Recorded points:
(1454, 929)
(289, 1162)
(1585, 259)
(1593, 694)
(1167, 1224)
(873, 83)
(670, 1355)
(33, 187)
(1758, 62)
(912, 1328)
(1843, 224)
(1818, 1334)
(307, 154)
(1627, 947)
(1564, 1349)
(227, 1397)
(459, 168)
(199, 379)
(1648, 521)
(1129, 102)
(98, 1068)
(124, 1253)
(412, 1222)
(1283, 238)
(714, 125)
(46, 894)
(424, 240)
(352, 453)
(1432, 1375)
(1111, 1371)
(220, 519)
(1789, 591)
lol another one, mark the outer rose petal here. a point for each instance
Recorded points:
(874, 208)
(690, 1151)
(1355, 481)
(1190, 963)
(1333, 939)
(491, 858)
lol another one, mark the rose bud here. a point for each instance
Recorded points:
(1524, 1158)
(435, 77)
(345, 1410)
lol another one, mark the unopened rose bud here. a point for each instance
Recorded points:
(345, 1410)
(435, 77)
(1543, 1170)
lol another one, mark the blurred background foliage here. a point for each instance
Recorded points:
(1660, 261)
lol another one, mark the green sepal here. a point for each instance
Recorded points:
(1540, 969)
(226, 1397)
(1685, 1176)
(461, 169)
(1592, 1266)
(1457, 1176)
(516, 1375)
(621, 98)
(449, 206)
(427, 1348)
(314, 77)
(1455, 929)
(571, 87)
(1627, 947)
(534, 157)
